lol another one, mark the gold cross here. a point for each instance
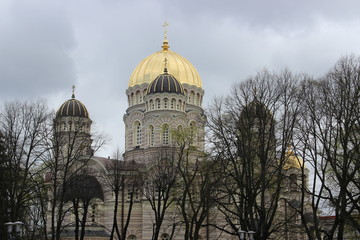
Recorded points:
(165, 63)
(165, 25)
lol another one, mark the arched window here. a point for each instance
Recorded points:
(192, 97)
(198, 99)
(165, 135)
(178, 106)
(158, 103)
(144, 94)
(179, 128)
(165, 103)
(93, 212)
(132, 237)
(152, 106)
(151, 135)
(70, 126)
(132, 99)
(165, 236)
(193, 138)
(132, 192)
(138, 97)
(173, 103)
(137, 133)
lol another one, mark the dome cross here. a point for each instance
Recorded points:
(73, 92)
(165, 65)
(165, 45)
(165, 25)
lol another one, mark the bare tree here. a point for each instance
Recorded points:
(196, 185)
(4, 178)
(68, 155)
(329, 141)
(133, 183)
(250, 131)
(25, 127)
(123, 175)
(83, 189)
(115, 181)
(159, 183)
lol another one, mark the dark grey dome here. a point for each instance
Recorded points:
(256, 109)
(165, 83)
(72, 108)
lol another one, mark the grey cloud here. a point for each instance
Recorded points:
(279, 15)
(35, 48)
(47, 47)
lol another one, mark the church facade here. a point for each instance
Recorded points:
(164, 95)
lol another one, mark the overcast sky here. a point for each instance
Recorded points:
(47, 46)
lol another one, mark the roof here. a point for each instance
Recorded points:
(91, 230)
(111, 164)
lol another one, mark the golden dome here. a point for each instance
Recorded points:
(292, 161)
(153, 66)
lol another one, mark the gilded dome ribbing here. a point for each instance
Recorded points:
(292, 161)
(152, 66)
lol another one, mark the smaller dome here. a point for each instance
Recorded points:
(165, 83)
(256, 109)
(72, 108)
(292, 161)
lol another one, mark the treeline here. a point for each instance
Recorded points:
(252, 130)
(245, 178)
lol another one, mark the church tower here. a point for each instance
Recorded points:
(72, 128)
(164, 94)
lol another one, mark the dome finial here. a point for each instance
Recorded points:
(73, 92)
(165, 65)
(165, 25)
(165, 45)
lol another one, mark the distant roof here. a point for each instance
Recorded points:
(111, 164)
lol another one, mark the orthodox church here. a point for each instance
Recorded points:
(164, 94)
